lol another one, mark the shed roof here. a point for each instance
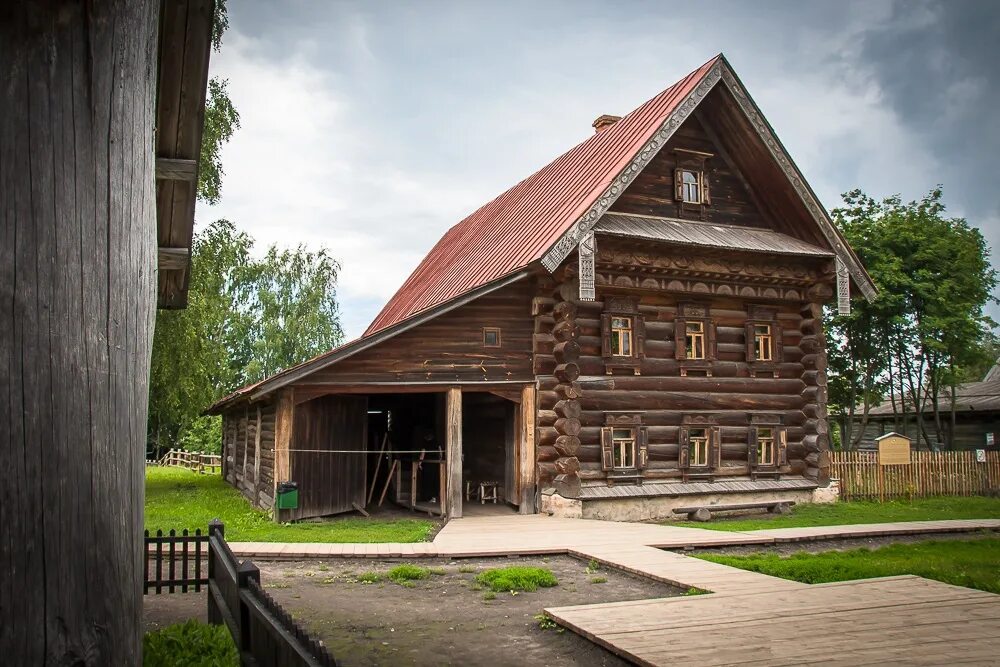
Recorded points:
(982, 396)
(709, 235)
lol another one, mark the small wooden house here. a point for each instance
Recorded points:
(634, 327)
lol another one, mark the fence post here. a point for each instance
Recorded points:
(244, 573)
(215, 527)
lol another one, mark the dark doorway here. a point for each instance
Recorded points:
(489, 448)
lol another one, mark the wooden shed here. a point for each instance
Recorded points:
(636, 324)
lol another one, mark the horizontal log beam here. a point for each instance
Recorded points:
(173, 259)
(173, 169)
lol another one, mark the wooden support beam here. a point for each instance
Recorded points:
(256, 462)
(173, 259)
(454, 452)
(283, 419)
(526, 451)
(172, 169)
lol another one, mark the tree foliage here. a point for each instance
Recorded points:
(247, 318)
(919, 338)
(221, 120)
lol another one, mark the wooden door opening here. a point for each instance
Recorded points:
(490, 451)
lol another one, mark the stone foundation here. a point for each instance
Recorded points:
(827, 494)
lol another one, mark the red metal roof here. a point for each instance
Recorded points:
(518, 227)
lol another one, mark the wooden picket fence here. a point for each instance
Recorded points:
(928, 474)
(200, 463)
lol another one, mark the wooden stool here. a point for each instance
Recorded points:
(488, 491)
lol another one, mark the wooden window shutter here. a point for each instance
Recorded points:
(715, 448)
(607, 450)
(683, 449)
(679, 184)
(751, 344)
(640, 337)
(778, 345)
(642, 443)
(606, 335)
(680, 327)
(781, 442)
(752, 447)
(711, 351)
(706, 197)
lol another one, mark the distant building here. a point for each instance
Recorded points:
(977, 416)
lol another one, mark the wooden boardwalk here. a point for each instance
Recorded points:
(749, 618)
(891, 621)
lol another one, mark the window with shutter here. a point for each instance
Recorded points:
(623, 334)
(699, 447)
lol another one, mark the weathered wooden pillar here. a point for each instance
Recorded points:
(77, 283)
(526, 465)
(284, 421)
(453, 451)
(816, 429)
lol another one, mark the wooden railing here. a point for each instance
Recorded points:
(200, 463)
(264, 633)
(182, 554)
(928, 474)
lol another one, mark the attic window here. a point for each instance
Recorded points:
(491, 337)
(691, 181)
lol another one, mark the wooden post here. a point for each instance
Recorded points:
(78, 284)
(256, 462)
(454, 452)
(284, 418)
(526, 451)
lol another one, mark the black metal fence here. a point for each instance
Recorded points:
(265, 634)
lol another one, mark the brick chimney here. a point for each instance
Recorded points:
(605, 121)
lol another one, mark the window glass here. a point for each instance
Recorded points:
(765, 447)
(621, 336)
(623, 447)
(691, 186)
(695, 340)
(763, 342)
(698, 446)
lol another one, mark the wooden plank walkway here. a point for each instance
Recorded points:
(538, 534)
(896, 620)
(750, 618)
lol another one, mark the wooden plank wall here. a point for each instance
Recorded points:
(929, 474)
(329, 482)
(970, 428)
(248, 451)
(652, 192)
(450, 347)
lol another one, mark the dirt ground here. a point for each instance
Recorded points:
(444, 619)
(819, 546)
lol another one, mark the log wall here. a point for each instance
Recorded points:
(575, 392)
(248, 451)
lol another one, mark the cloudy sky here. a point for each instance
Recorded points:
(372, 127)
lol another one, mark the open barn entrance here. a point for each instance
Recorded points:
(489, 444)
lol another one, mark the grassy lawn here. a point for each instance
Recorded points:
(836, 514)
(178, 498)
(971, 563)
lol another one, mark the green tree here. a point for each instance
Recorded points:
(221, 120)
(916, 340)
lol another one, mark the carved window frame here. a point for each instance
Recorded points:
(763, 316)
(694, 312)
(779, 436)
(623, 307)
(694, 162)
(638, 434)
(713, 432)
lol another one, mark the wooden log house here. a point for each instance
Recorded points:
(636, 326)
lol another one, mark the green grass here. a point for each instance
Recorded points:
(517, 578)
(406, 573)
(178, 498)
(970, 563)
(836, 514)
(369, 577)
(190, 643)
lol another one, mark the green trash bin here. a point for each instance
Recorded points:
(288, 496)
